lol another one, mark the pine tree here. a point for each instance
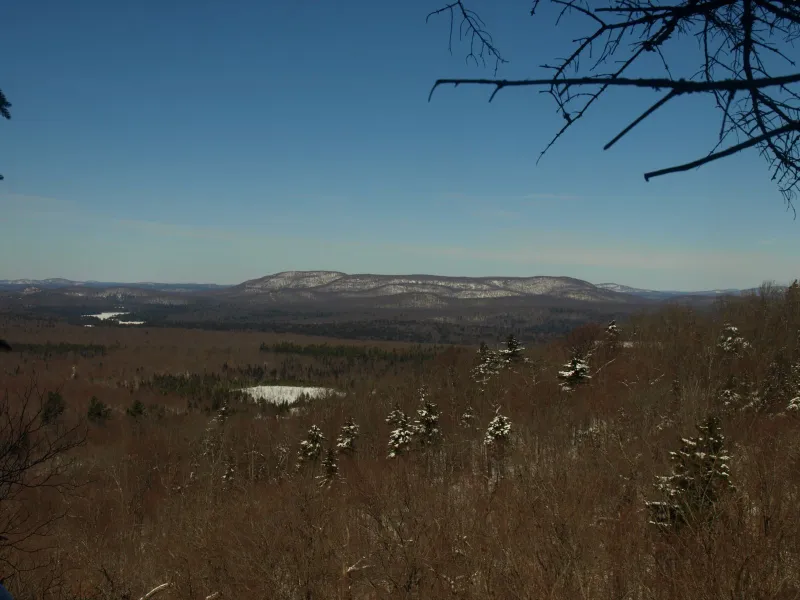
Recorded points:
(426, 426)
(98, 412)
(402, 435)
(346, 440)
(498, 433)
(496, 441)
(330, 468)
(612, 334)
(136, 409)
(700, 476)
(492, 362)
(311, 447)
(52, 408)
(489, 365)
(574, 373)
(731, 343)
(468, 418)
(512, 353)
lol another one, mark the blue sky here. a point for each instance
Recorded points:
(219, 141)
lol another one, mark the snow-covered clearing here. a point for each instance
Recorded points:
(114, 317)
(104, 316)
(287, 394)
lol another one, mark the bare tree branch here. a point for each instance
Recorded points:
(5, 111)
(742, 45)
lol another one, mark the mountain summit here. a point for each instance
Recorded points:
(328, 284)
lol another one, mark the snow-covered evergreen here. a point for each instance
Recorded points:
(468, 418)
(794, 402)
(700, 476)
(227, 476)
(492, 362)
(730, 342)
(426, 426)
(330, 467)
(499, 431)
(346, 440)
(489, 365)
(401, 436)
(311, 447)
(512, 353)
(612, 334)
(574, 373)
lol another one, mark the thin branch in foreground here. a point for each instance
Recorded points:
(728, 152)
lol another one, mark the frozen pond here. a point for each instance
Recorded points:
(105, 316)
(114, 317)
(287, 394)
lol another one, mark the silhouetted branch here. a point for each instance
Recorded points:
(738, 39)
(682, 86)
(473, 27)
(5, 105)
(725, 153)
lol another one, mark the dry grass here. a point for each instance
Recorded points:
(566, 520)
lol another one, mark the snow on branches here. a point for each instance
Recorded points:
(346, 440)
(424, 430)
(499, 431)
(401, 436)
(700, 476)
(311, 447)
(492, 362)
(730, 342)
(574, 373)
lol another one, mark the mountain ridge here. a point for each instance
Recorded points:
(321, 285)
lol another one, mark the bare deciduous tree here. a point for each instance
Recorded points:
(35, 462)
(744, 60)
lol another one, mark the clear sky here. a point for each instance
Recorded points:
(216, 141)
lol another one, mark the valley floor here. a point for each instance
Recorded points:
(145, 463)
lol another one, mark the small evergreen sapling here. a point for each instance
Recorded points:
(52, 408)
(700, 476)
(136, 409)
(98, 412)
(468, 418)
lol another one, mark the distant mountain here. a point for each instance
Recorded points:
(58, 283)
(665, 294)
(414, 290)
(357, 291)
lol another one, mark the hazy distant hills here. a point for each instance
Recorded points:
(666, 294)
(58, 283)
(340, 289)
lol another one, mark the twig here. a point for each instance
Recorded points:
(156, 590)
